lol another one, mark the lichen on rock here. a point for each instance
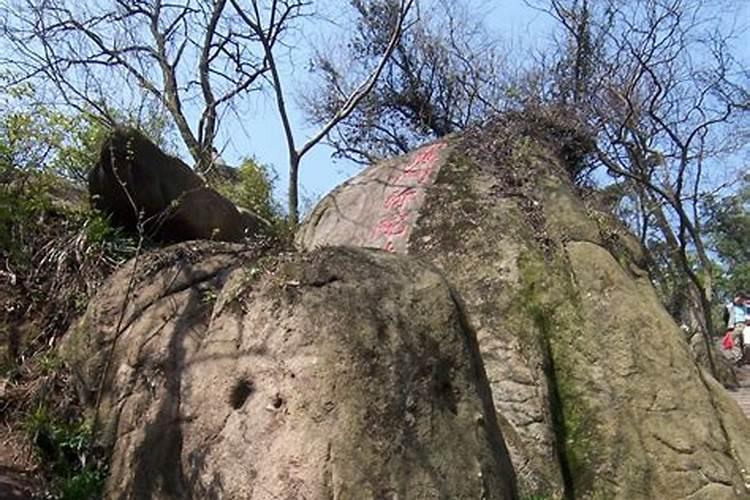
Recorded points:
(594, 385)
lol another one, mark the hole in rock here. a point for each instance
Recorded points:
(443, 385)
(242, 390)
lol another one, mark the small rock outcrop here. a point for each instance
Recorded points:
(596, 390)
(134, 180)
(343, 373)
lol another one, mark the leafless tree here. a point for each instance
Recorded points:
(656, 82)
(395, 23)
(444, 75)
(196, 58)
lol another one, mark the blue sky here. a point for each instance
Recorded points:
(520, 27)
(261, 133)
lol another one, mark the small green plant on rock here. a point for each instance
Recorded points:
(73, 464)
(209, 296)
(48, 363)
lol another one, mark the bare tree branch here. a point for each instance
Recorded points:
(268, 37)
(97, 52)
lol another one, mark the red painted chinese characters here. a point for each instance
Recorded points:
(400, 202)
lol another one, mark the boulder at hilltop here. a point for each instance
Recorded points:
(133, 176)
(342, 373)
(596, 390)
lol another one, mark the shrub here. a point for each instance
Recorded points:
(72, 462)
(56, 252)
(252, 188)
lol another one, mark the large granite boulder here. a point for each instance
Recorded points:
(596, 390)
(342, 373)
(135, 181)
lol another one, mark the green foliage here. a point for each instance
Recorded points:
(36, 208)
(23, 196)
(209, 296)
(55, 249)
(35, 137)
(45, 155)
(49, 363)
(98, 233)
(38, 136)
(728, 227)
(77, 150)
(67, 448)
(86, 484)
(253, 189)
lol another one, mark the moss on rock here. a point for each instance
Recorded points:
(593, 383)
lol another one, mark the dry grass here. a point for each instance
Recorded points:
(55, 254)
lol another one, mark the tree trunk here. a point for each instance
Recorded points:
(693, 307)
(293, 189)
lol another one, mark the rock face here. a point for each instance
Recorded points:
(133, 175)
(343, 373)
(595, 388)
(16, 485)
